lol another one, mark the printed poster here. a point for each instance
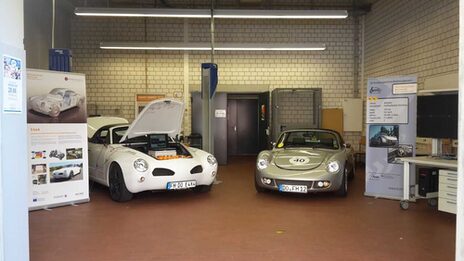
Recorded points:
(57, 137)
(12, 80)
(390, 134)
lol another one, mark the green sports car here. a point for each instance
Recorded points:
(304, 161)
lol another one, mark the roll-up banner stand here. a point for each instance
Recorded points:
(57, 137)
(390, 134)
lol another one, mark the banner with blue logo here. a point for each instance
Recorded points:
(390, 133)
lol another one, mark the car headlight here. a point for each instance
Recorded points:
(333, 166)
(211, 160)
(262, 163)
(141, 165)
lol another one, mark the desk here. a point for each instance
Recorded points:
(422, 161)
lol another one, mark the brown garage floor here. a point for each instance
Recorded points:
(233, 222)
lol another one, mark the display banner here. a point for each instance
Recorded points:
(57, 138)
(390, 134)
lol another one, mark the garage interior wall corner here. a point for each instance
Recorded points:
(14, 222)
(38, 29)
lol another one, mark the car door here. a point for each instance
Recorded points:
(97, 147)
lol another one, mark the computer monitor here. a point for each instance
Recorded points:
(437, 116)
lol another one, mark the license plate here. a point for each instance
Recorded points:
(181, 185)
(293, 188)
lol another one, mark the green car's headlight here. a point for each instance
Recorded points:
(211, 160)
(262, 163)
(333, 166)
(140, 165)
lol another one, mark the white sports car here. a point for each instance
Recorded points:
(56, 101)
(66, 173)
(144, 155)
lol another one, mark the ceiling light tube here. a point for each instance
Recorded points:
(143, 12)
(281, 14)
(206, 47)
(206, 13)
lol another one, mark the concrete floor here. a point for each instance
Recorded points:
(233, 222)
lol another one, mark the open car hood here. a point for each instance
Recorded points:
(158, 117)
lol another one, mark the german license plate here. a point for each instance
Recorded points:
(293, 188)
(181, 185)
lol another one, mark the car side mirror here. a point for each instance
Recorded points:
(347, 145)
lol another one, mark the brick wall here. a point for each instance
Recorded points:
(114, 77)
(411, 38)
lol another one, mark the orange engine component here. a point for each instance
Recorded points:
(172, 157)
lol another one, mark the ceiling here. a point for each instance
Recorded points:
(238, 4)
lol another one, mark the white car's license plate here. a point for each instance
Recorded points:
(181, 185)
(293, 188)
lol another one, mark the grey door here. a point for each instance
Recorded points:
(243, 126)
(294, 109)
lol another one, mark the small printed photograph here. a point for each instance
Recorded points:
(383, 135)
(39, 179)
(42, 154)
(39, 168)
(56, 154)
(65, 171)
(403, 150)
(11, 68)
(59, 105)
(74, 153)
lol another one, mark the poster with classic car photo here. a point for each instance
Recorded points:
(65, 171)
(383, 135)
(403, 150)
(55, 97)
(39, 179)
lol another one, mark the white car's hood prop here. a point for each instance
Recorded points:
(158, 117)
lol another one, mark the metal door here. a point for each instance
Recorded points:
(243, 126)
(295, 109)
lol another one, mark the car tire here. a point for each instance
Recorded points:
(258, 188)
(203, 188)
(71, 174)
(117, 186)
(352, 172)
(343, 190)
(55, 111)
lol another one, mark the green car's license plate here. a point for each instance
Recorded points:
(293, 188)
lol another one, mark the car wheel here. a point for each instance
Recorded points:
(118, 189)
(343, 190)
(54, 111)
(203, 188)
(71, 174)
(352, 172)
(258, 188)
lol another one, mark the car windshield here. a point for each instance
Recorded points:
(308, 139)
(118, 133)
(57, 91)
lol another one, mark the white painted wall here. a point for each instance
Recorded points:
(14, 232)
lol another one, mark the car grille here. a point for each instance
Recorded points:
(196, 169)
(162, 172)
(309, 184)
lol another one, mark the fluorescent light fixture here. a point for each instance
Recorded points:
(143, 12)
(206, 47)
(206, 13)
(281, 14)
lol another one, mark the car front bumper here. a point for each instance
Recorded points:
(313, 179)
(138, 182)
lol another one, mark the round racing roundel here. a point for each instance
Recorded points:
(299, 160)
